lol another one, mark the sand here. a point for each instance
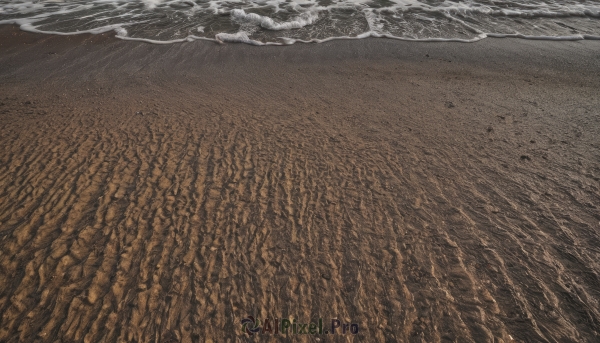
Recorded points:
(429, 192)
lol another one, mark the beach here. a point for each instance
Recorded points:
(424, 191)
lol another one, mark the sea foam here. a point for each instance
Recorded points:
(280, 22)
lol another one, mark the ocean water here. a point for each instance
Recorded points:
(287, 21)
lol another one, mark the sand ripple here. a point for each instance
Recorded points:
(147, 218)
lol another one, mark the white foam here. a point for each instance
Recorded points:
(27, 25)
(121, 31)
(304, 19)
(372, 34)
(150, 4)
(190, 38)
(238, 37)
(554, 38)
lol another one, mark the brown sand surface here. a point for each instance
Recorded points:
(430, 192)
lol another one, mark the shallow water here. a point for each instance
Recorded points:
(284, 22)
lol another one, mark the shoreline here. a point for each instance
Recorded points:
(290, 41)
(490, 54)
(437, 192)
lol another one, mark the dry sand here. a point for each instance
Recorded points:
(430, 192)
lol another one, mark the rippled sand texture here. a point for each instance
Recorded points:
(427, 205)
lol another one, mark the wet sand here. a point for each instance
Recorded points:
(430, 192)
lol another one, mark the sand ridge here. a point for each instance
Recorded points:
(426, 200)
